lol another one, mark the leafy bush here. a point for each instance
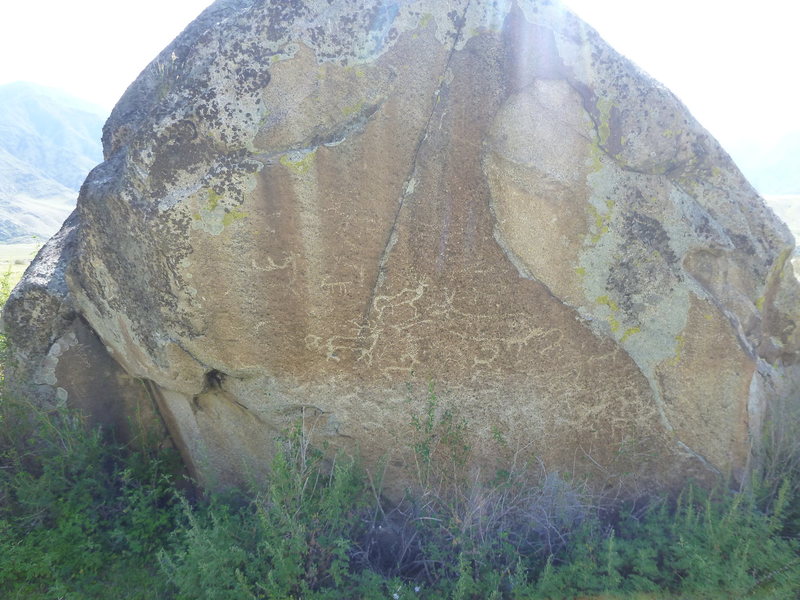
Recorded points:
(74, 505)
(78, 518)
(77, 511)
(705, 545)
(296, 538)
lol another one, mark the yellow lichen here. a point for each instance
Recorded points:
(353, 109)
(596, 237)
(301, 165)
(679, 344)
(615, 325)
(231, 216)
(606, 301)
(604, 107)
(213, 199)
(264, 118)
(600, 221)
(629, 332)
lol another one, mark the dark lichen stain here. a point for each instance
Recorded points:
(184, 131)
(177, 150)
(251, 80)
(625, 281)
(613, 145)
(279, 16)
(650, 232)
(742, 243)
(702, 227)
(648, 263)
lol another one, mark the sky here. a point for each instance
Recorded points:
(733, 63)
(92, 49)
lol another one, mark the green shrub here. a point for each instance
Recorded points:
(706, 545)
(75, 504)
(79, 516)
(296, 538)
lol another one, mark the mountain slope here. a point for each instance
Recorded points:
(49, 142)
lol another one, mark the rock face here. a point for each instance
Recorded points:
(312, 210)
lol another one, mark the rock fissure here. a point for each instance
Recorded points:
(156, 400)
(332, 138)
(694, 454)
(410, 181)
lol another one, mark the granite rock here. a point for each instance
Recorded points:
(314, 211)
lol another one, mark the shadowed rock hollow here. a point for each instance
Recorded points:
(309, 210)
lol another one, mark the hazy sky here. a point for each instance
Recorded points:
(734, 63)
(92, 49)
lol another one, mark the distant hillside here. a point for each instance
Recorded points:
(49, 142)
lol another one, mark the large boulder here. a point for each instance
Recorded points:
(313, 211)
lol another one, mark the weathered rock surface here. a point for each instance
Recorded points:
(313, 209)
